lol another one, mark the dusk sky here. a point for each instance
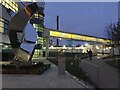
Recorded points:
(87, 18)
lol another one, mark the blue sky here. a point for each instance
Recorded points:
(89, 18)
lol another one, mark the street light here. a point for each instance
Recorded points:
(86, 44)
(60, 41)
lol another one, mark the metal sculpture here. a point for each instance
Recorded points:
(19, 26)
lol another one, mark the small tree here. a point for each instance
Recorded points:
(113, 33)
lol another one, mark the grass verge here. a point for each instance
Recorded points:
(114, 63)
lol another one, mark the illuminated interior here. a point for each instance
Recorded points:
(59, 34)
(28, 0)
(10, 4)
(3, 25)
(39, 28)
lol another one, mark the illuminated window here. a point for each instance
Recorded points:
(1, 29)
(36, 15)
(3, 25)
(10, 4)
(39, 16)
(26, 0)
(37, 53)
(3, 3)
(40, 40)
(7, 5)
(41, 29)
(77, 37)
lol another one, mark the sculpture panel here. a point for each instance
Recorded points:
(23, 47)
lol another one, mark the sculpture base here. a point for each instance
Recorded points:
(24, 68)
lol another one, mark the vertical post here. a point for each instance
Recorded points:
(57, 29)
(47, 47)
(47, 37)
(61, 64)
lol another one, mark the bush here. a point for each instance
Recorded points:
(114, 63)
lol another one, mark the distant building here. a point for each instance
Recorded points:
(10, 7)
(38, 23)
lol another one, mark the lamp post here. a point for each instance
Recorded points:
(57, 19)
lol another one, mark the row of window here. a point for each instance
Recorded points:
(3, 25)
(25, 0)
(6, 47)
(40, 40)
(38, 53)
(77, 37)
(10, 4)
(38, 27)
(38, 16)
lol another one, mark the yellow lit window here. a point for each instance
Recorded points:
(3, 3)
(1, 29)
(75, 36)
(10, 4)
(1, 25)
(33, 25)
(88, 38)
(13, 2)
(7, 6)
(25, 0)
(66, 35)
(83, 37)
(6, 0)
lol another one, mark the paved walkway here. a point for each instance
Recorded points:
(101, 73)
(48, 79)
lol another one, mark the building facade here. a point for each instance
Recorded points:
(8, 9)
(38, 23)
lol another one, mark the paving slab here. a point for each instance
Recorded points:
(49, 79)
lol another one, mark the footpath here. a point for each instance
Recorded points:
(102, 74)
(49, 79)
